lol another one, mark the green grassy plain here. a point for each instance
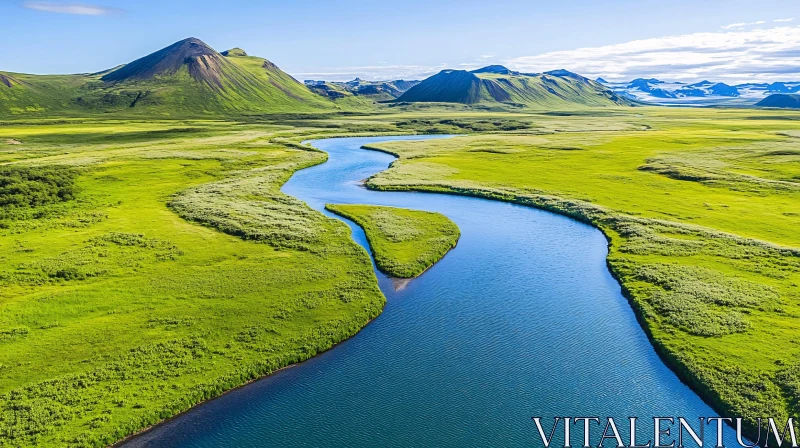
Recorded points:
(147, 265)
(405, 242)
(118, 308)
(702, 211)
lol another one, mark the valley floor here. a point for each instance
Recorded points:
(146, 266)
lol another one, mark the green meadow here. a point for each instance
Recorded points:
(145, 267)
(405, 243)
(148, 265)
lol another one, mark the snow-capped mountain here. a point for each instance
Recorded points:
(703, 93)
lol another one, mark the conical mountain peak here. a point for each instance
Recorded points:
(191, 52)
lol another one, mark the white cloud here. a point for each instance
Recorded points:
(734, 25)
(730, 56)
(743, 24)
(71, 8)
(783, 20)
(372, 72)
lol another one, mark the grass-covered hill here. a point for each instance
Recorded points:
(782, 100)
(497, 84)
(185, 78)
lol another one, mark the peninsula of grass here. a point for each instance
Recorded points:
(405, 242)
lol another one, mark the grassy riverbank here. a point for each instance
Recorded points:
(701, 208)
(146, 266)
(405, 242)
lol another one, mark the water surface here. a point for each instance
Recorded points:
(521, 319)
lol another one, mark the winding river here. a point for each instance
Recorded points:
(521, 319)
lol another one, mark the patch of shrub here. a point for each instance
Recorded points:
(702, 301)
(99, 256)
(32, 186)
(13, 333)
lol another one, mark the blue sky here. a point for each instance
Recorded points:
(732, 40)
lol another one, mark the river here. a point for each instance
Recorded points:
(521, 319)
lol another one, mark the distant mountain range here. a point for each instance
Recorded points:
(703, 93)
(373, 90)
(191, 78)
(496, 85)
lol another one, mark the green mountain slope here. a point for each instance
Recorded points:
(186, 78)
(497, 84)
(783, 100)
(35, 94)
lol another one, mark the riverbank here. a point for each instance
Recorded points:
(694, 289)
(161, 313)
(518, 293)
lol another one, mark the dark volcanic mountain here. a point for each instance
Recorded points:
(496, 84)
(185, 77)
(783, 100)
(202, 62)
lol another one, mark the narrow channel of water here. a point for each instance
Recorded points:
(522, 319)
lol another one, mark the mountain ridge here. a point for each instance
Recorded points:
(496, 84)
(359, 89)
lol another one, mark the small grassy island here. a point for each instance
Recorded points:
(405, 242)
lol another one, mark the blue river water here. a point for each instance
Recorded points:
(521, 319)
